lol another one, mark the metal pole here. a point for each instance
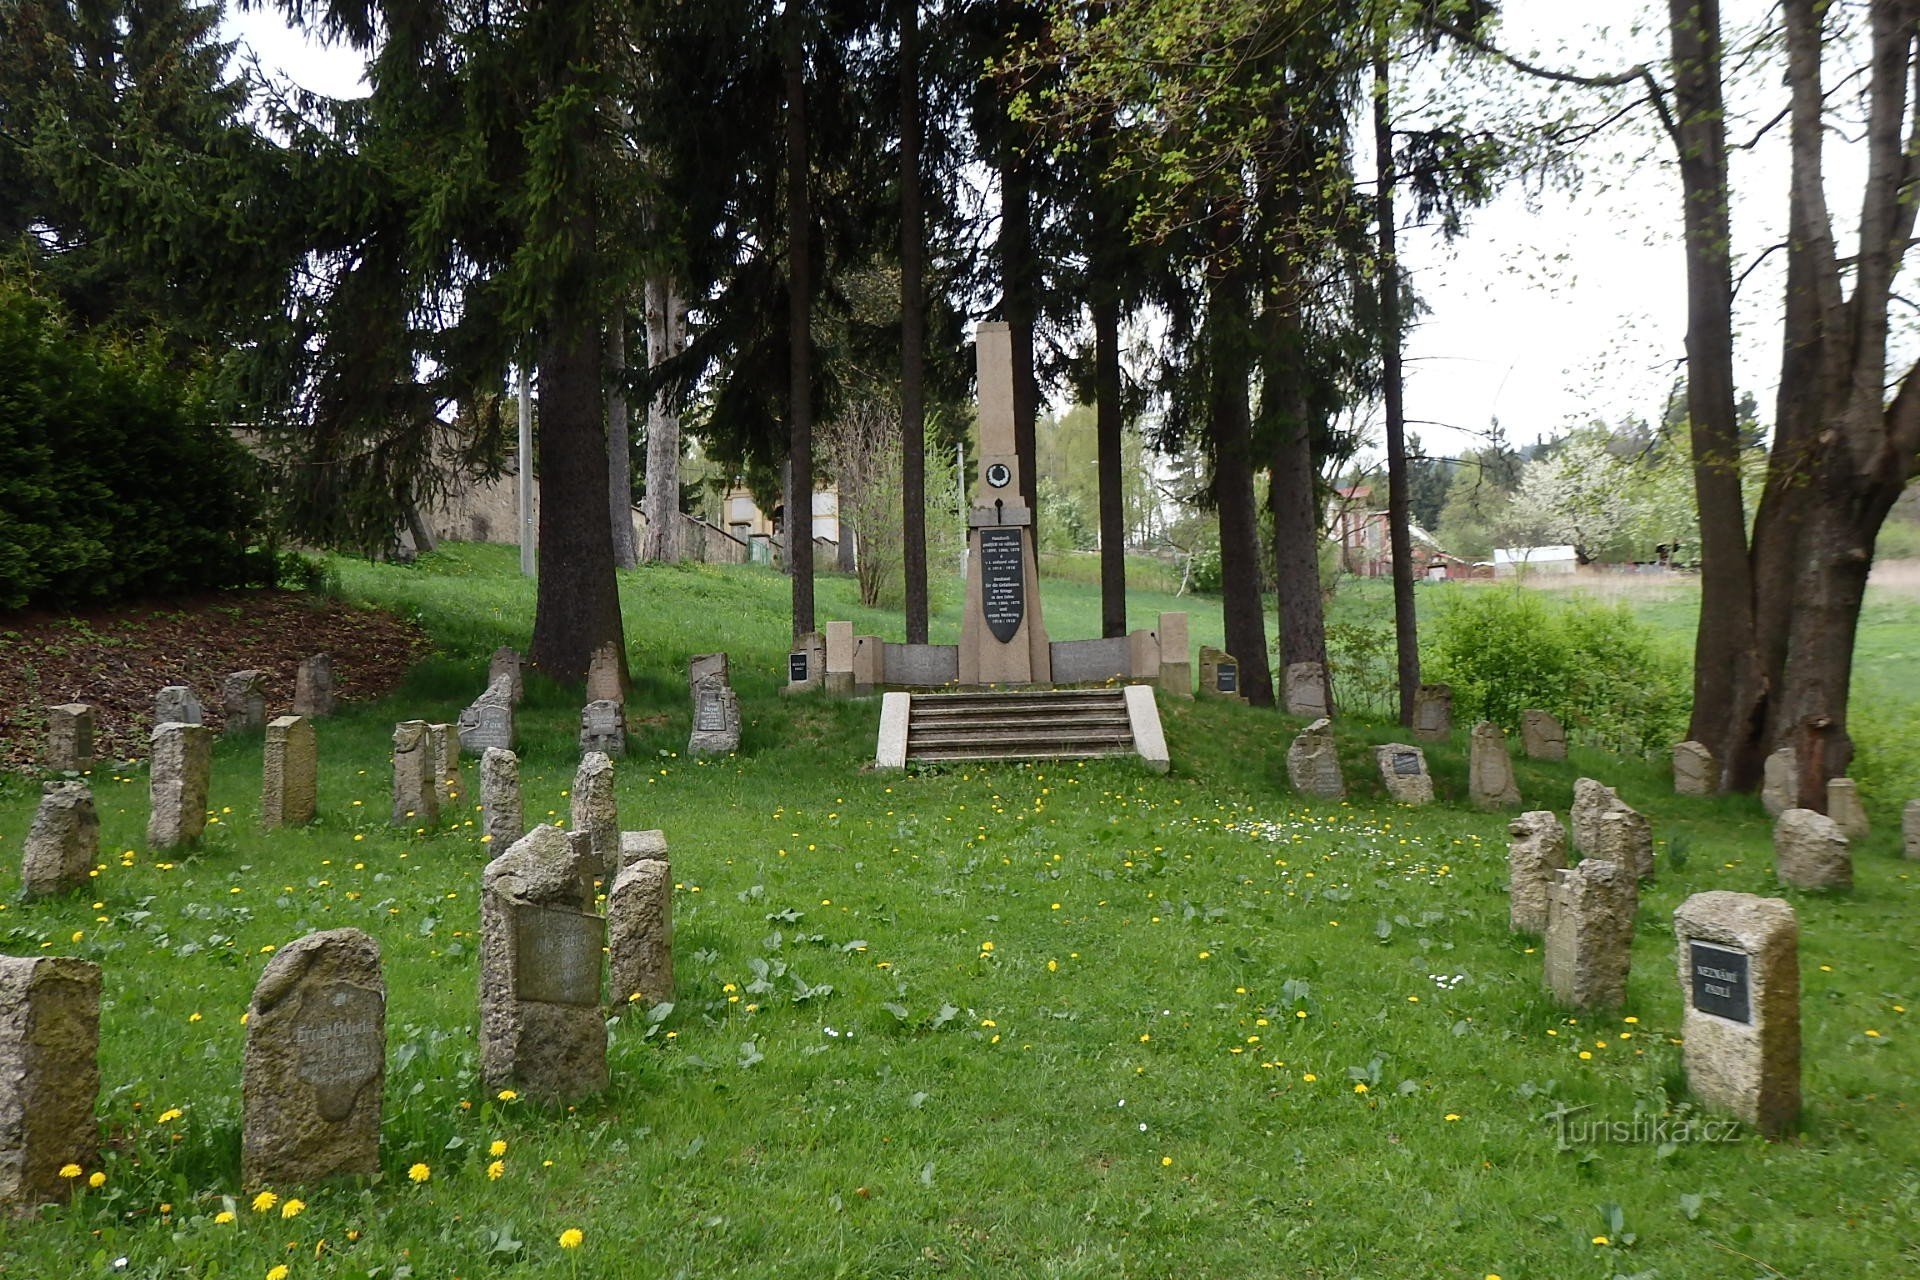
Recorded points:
(526, 474)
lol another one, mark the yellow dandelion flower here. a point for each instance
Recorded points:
(265, 1201)
(1361, 1087)
(223, 1217)
(1165, 1161)
(97, 1180)
(495, 1170)
(419, 1173)
(78, 934)
(1601, 1240)
(497, 1148)
(170, 1115)
(571, 1238)
(70, 1170)
(292, 1208)
(278, 1272)
(506, 1095)
(1308, 1076)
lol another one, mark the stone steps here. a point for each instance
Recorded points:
(1065, 724)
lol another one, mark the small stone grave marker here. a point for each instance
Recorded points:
(1313, 763)
(1780, 782)
(640, 927)
(70, 738)
(604, 682)
(603, 728)
(1809, 851)
(1490, 781)
(416, 791)
(444, 743)
(1305, 684)
(1589, 941)
(1844, 807)
(506, 665)
(1433, 711)
(49, 1074)
(176, 704)
(289, 778)
(1606, 827)
(243, 697)
(488, 721)
(1695, 771)
(716, 708)
(1910, 829)
(593, 811)
(63, 845)
(179, 769)
(501, 820)
(1740, 976)
(1542, 736)
(1403, 769)
(1537, 849)
(313, 686)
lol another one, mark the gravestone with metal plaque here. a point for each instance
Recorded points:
(1227, 677)
(1719, 981)
(1739, 962)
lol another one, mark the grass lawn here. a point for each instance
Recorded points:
(1061, 1020)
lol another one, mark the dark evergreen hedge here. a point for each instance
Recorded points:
(114, 478)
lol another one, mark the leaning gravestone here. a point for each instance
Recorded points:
(603, 728)
(181, 762)
(594, 814)
(640, 930)
(541, 1029)
(176, 704)
(488, 722)
(1403, 769)
(1433, 711)
(1306, 689)
(444, 742)
(1490, 783)
(1538, 848)
(315, 1062)
(506, 664)
(1809, 851)
(64, 842)
(1541, 736)
(716, 708)
(289, 780)
(1843, 806)
(1589, 942)
(416, 789)
(501, 821)
(313, 686)
(70, 737)
(1695, 771)
(49, 1074)
(243, 697)
(1780, 782)
(1910, 829)
(603, 675)
(1740, 975)
(1313, 763)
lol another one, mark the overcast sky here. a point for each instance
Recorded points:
(1552, 311)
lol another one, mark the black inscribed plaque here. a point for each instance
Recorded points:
(1406, 764)
(797, 667)
(1003, 582)
(1720, 981)
(1226, 677)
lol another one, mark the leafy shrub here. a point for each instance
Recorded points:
(1363, 669)
(1603, 672)
(114, 477)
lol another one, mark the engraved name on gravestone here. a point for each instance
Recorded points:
(709, 716)
(797, 667)
(340, 1042)
(557, 954)
(1719, 981)
(1003, 595)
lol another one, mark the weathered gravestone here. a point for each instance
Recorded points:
(64, 842)
(839, 637)
(1810, 852)
(604, 678)
(1433, 711)
(541, 1029)
(1606, 827)
(1176, 662)
(1740, 975)
(1305, 684)
(315, 1062)
(1537, 849)
(1220, 674)
(49, 1074)
(176, 704)
(70, 737)
(1403, 769)
(1695, 771)
(806, 663)
(243, 697)
(1910, 829)
(1589, 942)
(181, 762)
(290, 777)
(1780, 782)
(488, 721)
(1844, 807)
(506, 665)
(603, 728)
(1542, 736)
(716, 708)
(594, 814)
(642, 846)
(640, 927)
(1313, 763)
(416, 791)
(443, 742)
(1490, 782)
(501, 820)
(313, 686)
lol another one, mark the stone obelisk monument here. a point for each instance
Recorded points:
(1002, 639)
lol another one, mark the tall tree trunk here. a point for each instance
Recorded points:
(666, 335)
(1726, 653)
(619, 445)
(1109, 428)
(1293, 500)
(799, 331)
(913, 334)
(1242, 608)
(1406, 628)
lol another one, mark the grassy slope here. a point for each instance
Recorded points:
(1081, 1111)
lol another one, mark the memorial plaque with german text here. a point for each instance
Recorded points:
(341, 1044)
(1226, 677)
(557, 955)
(1720, 981)
(709, 716)
(1003, 582)
(797, 667)
(1406, 764)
